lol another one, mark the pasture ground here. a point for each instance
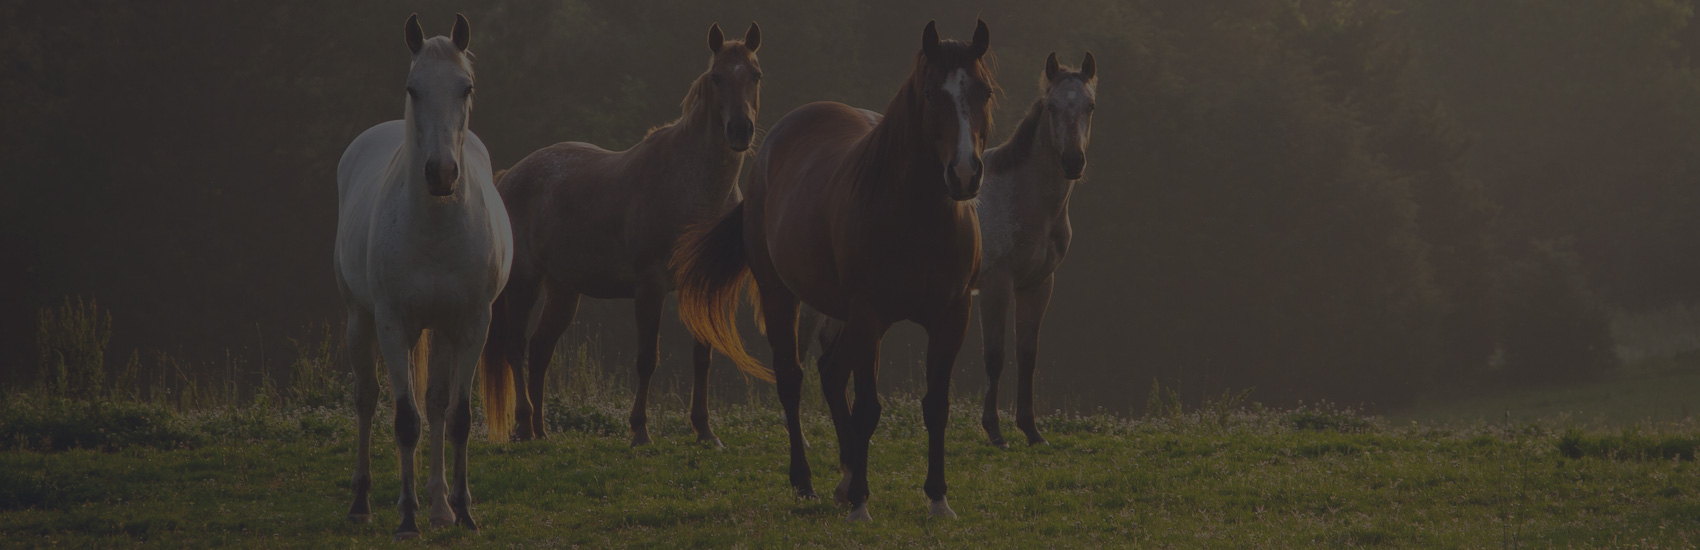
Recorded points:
(76, 474)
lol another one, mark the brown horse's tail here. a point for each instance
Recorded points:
(421, 359)
(712, 270)
(496, 375)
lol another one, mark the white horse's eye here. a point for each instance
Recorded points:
(468, 92)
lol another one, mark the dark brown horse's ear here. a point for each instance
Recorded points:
(462, 34)
(1052, 67)
(982, 40)
(930, 41)
(716, 39)
(752, 37)
(415, 35)
(1089, 67)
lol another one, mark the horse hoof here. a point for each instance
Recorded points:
(466, 521)
(712, 442)
(998, 442)
(1037, 439)
(440, 522)
(859, 515)
(807, 493)
(941, 510)
(360, 518)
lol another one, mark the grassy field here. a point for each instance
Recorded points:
(76, 474)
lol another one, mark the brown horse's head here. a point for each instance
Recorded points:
(734, 96)
(956, 105)
(439, 101)
(1070, 97)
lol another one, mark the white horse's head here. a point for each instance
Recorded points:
(439, 102)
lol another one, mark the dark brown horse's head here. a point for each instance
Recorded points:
(956, 90)
(1070, 96)
(734, 94)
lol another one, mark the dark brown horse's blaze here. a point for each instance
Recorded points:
(845, 211)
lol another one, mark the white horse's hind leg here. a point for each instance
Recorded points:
(360, 350)
(396, 343)
(437, 399)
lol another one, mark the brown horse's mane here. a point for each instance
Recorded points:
(696, 95)
(897, 132)
(1019, 147)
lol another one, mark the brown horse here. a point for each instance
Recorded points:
(864, 218)
(590, 222)
(1024, 231)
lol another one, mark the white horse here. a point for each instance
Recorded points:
(423, 247)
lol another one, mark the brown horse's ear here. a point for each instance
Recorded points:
(1052, 67)
(930, 41)
(982, 40)
(415, 35)
(1089, 67)
(462, 34)
(716, 39)
(752, 37)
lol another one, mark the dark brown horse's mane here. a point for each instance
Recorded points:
(895, 135)
(697, 94)
(1019, 147)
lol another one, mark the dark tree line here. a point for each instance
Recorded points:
(1354, 201)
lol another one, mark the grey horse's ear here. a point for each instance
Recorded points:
(930, 41)
(1052, 67)
(462, 34)
(982, 40)
(716, 39)
(1089, 67)
(752, 37)
(415, 35)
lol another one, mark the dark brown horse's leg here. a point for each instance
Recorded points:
(779, 311)
(702, 358)
(1030, 304)
(360, 353)
(834, 381)
(559, 307)
(857, 349)
(994, 324)
(808, 321)
(513, 313)
(944, 341)
(649, 300)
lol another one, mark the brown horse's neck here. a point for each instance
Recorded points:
(696, 144)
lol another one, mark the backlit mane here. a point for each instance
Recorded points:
(1019, 147)
(699, 90)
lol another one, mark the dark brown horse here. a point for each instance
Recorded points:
(1024, 231)
(864, 218)
(590, 222)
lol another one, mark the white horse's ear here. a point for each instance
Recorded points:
(415, 35)
(930, 41)
(1052, 67)
(462, 34)
(752, 37)
(716, 39)
(982, 40)
(1089, 67)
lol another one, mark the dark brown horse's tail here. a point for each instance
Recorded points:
(496, 375)
(712, 270)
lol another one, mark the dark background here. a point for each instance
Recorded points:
(1368, 202)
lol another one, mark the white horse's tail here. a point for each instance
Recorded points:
(421, 359)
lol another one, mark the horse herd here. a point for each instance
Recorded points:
(850, 221)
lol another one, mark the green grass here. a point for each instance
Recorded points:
(1226, 479)
(1654, 391)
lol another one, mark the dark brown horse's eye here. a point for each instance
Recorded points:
(715, 78)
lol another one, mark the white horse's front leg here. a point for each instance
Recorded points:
(460, 412)
(396, 342)
(437, 399)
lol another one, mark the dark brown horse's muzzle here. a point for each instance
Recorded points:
(441, 176)
(962, 179)
(1074, 164)
(739, 132)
